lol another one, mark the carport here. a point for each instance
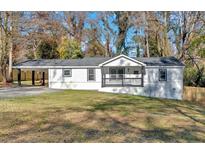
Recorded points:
(30, 72)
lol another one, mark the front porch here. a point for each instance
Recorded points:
(131, 76)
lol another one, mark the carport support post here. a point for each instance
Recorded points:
(19, 77)
(33, 78)
(43, 77)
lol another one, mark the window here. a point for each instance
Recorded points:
(113, 73)
(91, 74)
(67, 72)
(136, 72)
(116, 73)
(162, 75)
(120, 73)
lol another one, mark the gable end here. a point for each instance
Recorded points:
(122, 60)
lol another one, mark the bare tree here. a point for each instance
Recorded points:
(5, 45)
(75, 24)
(108, 32)
(123, 23)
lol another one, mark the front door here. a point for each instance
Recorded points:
(116, 73)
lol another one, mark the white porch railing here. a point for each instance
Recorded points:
(122, 82)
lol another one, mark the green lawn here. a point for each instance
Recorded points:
(90, 116)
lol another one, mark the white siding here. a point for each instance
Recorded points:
(172, 88)
(78, 80)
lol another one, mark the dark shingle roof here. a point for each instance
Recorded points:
(87, 61)
(161, 61)
(95, 61)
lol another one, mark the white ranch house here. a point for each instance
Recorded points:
(153, 77)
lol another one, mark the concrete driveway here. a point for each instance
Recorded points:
(24, 91)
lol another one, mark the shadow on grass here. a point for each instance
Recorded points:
(59, 130)
(189, 116)
(50, 124)
(154, 133)
(152, 105)
(191, 109)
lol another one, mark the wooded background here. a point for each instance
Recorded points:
(65, 35)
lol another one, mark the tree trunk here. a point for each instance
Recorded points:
(3, 80)
(166, 51)
(158, 44)
(147, 46)
(10, 78)
(108, 53)
(3, 74)
(147, 54)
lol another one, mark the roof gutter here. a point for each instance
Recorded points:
(52, 67)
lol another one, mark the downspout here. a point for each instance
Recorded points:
(102, 74)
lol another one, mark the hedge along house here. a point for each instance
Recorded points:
(154, 77)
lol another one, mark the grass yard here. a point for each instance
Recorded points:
(90, 116)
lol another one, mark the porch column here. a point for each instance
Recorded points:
(123, 80)
(43, 78)
(33, 78)
(19, 77)
(143, 72)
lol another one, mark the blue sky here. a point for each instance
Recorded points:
(130, 33)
